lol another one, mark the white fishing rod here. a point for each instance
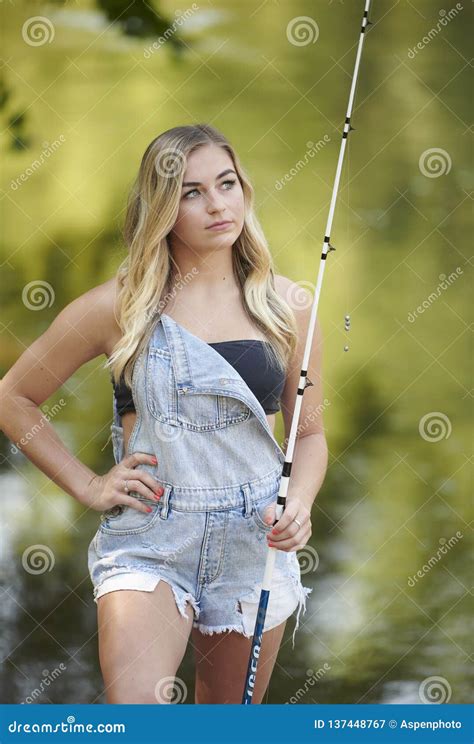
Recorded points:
(303, 383)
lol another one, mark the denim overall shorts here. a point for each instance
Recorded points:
(220, 467)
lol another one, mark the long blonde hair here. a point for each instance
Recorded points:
(146, 274)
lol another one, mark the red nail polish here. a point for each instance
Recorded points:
(148, 508)
(274, 531)
(154, 460)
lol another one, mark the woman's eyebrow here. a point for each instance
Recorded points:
(198, 183)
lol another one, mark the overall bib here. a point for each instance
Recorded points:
(220, 467)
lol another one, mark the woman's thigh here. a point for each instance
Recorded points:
(142, 640)
(222, 660)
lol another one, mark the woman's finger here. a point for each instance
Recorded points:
(286, 523)
(138, 458)
(269, 514)
(289, 513)
(146, 478)
(292, 543)
(136, 485)
(289, 532)
(135, 504)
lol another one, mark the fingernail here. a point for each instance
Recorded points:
(154, 460)
(148, 508)
(274, 531)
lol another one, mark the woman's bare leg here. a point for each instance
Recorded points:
(142, 641)
(222, 660)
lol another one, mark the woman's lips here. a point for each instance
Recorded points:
(222, 226)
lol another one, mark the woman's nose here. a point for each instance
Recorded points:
(215, 201)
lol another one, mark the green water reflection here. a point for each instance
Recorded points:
(397, 490)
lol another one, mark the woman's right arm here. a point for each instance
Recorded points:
(79, 333)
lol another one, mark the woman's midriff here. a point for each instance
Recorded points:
(128, 422)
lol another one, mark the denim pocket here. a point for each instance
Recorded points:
(125, 520)
(195, 411)
(258, 511)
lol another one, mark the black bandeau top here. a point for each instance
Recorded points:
(248, 358)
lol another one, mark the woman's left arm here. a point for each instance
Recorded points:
(310, 458)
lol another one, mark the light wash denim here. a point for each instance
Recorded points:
(220, 467)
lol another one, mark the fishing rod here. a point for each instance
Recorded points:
(303, 383)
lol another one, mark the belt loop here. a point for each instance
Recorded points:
(165, 502)
(247, 500)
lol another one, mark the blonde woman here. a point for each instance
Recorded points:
(204, 345)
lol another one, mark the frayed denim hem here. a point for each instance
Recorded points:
(145, 581)
(211, 629)
(303, 593)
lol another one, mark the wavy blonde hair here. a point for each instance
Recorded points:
(146, 274)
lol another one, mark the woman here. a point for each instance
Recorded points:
(205, 343)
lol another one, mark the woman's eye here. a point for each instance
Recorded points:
(230, 182)
(190, 192)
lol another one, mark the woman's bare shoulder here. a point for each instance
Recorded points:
(82, 330)
(294, 294)
(93, 315)
(282, 284)
(299, 299)
(103, 302)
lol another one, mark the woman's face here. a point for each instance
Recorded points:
(211, 192)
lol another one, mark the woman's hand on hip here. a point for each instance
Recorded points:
(106, 491)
